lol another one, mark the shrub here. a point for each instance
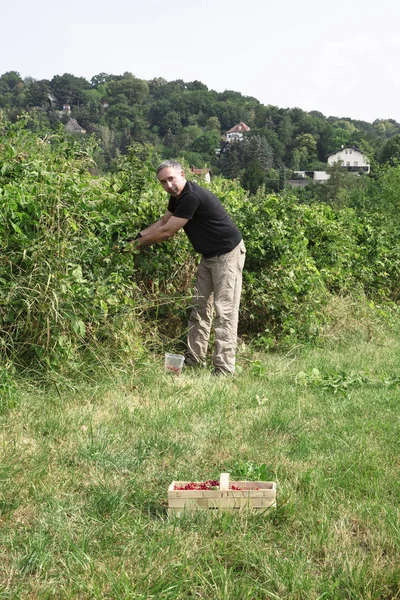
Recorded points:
(66, 291)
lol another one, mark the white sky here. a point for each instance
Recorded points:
(339, 57)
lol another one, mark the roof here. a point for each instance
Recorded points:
(344, 148)
(73, 126)
(240, 127)
(200, 171)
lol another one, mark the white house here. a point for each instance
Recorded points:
(351, 159)
(236, 132)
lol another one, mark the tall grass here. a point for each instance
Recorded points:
(84, 478)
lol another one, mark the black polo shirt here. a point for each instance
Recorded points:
(210, 229)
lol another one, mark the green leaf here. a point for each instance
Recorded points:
(78, 275)
(79, 327)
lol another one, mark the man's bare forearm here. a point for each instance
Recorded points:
(156, 235)
(151, 228)
(163, 221)
(160, 231)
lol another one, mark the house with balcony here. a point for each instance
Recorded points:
(236, 132)
(351, 158)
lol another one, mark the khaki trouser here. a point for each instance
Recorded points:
(218, 286)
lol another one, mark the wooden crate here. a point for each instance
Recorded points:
(224, 499)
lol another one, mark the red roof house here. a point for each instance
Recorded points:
(236, 132)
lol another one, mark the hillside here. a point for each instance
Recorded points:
(188, 120)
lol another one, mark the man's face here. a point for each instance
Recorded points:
(172, 180)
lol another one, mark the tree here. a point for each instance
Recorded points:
(229, 114)
(197, 85)
(253, 177)
(386, 127)
(391, 151)
(133, 89)
(238, 156)
(37, 93)
(9, 81)
(171, 121)
(260, 150)
(68, 88)
(299, 159)
(92, 101)
(339, 137)
(230, 161)
(168, 139)
(157, 112)
(184, 139)
(213, 124)
(101, 79)
(286, 130)
(207, 143)
(305, 151)
(11, 86)
(338, 187)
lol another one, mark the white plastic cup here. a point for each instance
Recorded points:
(174, 363)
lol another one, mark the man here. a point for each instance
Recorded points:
(219, 277)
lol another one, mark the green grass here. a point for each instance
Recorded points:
(83, 480)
